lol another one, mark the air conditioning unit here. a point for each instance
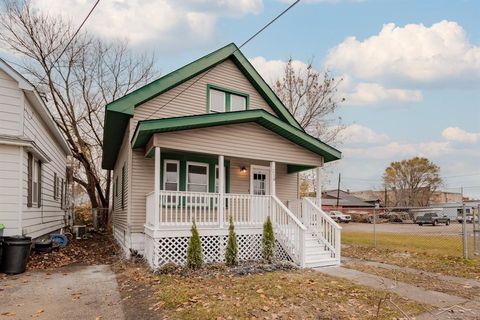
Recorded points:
(79, 231)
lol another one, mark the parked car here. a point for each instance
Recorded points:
(432, 218)
(469, 218)
(340, 216)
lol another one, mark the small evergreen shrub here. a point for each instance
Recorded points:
(268, 241)
(194, 250)
(231, 254)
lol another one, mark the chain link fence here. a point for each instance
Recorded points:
(451, 230)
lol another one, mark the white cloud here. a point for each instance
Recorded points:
(414, 53)
(374, 93)
(459, 135)
(358, 134)
(271, 70)
(167, 23)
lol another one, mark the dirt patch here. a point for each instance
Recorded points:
(99, 248)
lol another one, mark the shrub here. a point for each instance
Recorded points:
(268, 241)
(231, 254)
(194, 250)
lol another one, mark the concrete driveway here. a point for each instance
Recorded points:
(74, 292)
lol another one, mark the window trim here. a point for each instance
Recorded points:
(228, 93)
(35, 176)
(165, 162)
(123, 188)
(200, 164)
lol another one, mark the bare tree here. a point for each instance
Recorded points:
(312, 98)
(91, 73)
(412, 181)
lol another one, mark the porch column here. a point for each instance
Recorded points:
(156, 190)
(318, 187)
(221, 190)
(272, 179)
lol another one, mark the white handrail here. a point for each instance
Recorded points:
(290, 232)
(323, 225)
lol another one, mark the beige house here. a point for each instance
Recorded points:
(207, 142)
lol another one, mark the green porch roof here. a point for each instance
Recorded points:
(146, 128)
(119, 112)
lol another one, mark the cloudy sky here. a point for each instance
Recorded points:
(410, 69)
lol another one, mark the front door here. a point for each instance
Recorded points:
(260, 184)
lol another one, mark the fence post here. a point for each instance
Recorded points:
(476, 232)
(464, 231)
(375, 227)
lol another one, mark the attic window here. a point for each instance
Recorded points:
(217, 101)
(224, 100)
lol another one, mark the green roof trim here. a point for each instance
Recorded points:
(146, 128)
(119, 112)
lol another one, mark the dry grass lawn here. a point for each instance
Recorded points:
(429, 253)
(297, 294)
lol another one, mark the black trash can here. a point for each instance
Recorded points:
(16, 251)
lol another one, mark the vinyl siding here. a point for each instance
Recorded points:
(248, 140)
(50, 216)
(10, 189)
(142, 183)
(11, 98)
(194, 100)
(120, 216)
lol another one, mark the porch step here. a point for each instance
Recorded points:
(317, 255)
(322, 263)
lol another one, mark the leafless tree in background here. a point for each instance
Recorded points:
(312, 98)
(91, 73)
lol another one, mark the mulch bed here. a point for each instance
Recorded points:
(99, 248)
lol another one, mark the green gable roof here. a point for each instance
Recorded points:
(146, 128)
(121, 110)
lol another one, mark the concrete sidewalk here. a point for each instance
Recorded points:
(434, 298)
(78, 292)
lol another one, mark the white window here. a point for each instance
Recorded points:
(170, 175)
(237, 103)
(197, 177)
(35, 169)
(217, 101)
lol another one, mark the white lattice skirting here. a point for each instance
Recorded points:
(173, 249)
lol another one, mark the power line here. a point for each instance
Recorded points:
(73, 37)
(244, 43)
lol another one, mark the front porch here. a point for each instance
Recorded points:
(304, 234)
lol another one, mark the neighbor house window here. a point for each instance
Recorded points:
(35, 181)
(123, 188)
(224, 100)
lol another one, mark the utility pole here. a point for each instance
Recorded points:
(385, 197)
(338, 189)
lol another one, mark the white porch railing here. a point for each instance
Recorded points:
(319, 222)
(179, 208)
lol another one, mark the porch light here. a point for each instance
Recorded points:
(243, 169)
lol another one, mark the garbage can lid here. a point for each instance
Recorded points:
(17, 240)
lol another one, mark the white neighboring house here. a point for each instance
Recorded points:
(33, 161)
